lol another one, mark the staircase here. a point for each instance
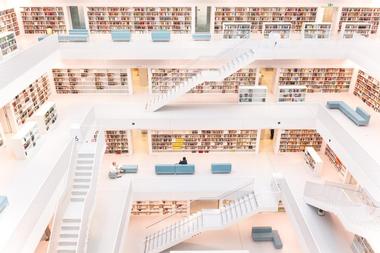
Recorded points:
(210, 219)
(241, 60)
(70, 227)
(350, 206)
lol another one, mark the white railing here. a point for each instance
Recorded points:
(64, 200)
(89, 202)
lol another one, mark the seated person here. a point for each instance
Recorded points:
(115, 171)
(183, 161)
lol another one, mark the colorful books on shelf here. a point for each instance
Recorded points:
(24, 142)
(291, 93)
(8, 21)
(37, 20)
(325, 80)
(161, 207)
(360, 15)
(46, 116)
(296, 140)
(352, 29)
(27, 102)
(204, 141)
(334, 159)
(117, 141)
(252, 94)
(281, 28)
(91, 80)
(236, 30)
(320, 30)
(8, 43)
(367, 88)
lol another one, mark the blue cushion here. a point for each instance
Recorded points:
(42, 37)
(277, 243)
(201, 36)
(3, 203)
(78, 32)
(160, 36)
(165, 169)
(131, 168)
(185, 169)
(72, 38)
(121, 35)
(221, 168)
(359, 116)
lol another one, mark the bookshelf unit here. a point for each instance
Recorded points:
(325, 80)
(68, 81)
(360, 15)
(8, 43)
(252, 94)
(313, 160)
(8, 21)
(31, 99)
(37, 19)
(367, 88)
(118, 141)
(24, 142)
(334, 159)
(1, 136)
(291, 93)
(204, 141)
(236, 30)
(296, 140)
(164, 79)
(259, 15)
(46, 116)
(350, 29)
(361, 245)
(161, 207)
(316, 30)
(140, 19)
(282, 28)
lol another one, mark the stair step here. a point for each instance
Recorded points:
(69, 235)
(69, 227)
(83, 167)
(81, 173)
(67, 242)
(81, 179)
(86, 155)
(66, 249)
(77, 199)
(80, 193)
(81, 186)
(83, 161)
(71, 220)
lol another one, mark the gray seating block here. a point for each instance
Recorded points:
(277, 243)
(265, 229)
(262, 237)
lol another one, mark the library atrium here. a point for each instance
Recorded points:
(208, 126)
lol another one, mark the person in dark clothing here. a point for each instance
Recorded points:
(271, 134)
(183, 161)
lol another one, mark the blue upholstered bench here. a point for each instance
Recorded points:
(121, 35)
(266, 234)
(73, 38)
(221, 168)
(130, 168)
(201, 36)
(160, 36)
(78, 32)
(359, 116)
(39, 38)
(173, 169)
(3, 203)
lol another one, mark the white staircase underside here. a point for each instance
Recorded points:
(349, 206)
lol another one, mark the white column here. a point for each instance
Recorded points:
(130, 142)
(258, 138)
(335, 24)
(150, 142)
(212, 21)
(276, 142)
(353, 80)
(150, 88)
(320, 13)
(130, 82)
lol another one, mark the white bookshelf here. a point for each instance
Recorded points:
(36, 20)
(161, 207)
(316, 30)
(27, 102)
(118, 142)
(203, 141)
(313, 160)
(46, 116)
(256, 16)
(24, 142)
(236, 30)
(360, 15)
(291, 93)
(349, 30)
(281, 28)
(162, 79)
(8, 43)
(8, 21)
(334, 159)
(252, 94)
(324, 80)
(140, 19)
(77, 80)
(367, 88)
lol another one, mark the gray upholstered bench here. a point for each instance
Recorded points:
(266, 234)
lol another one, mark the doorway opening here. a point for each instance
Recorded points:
(140, 80)
(267, 140)
(267, 77)
(202, 18)
(77, 20)
(140, 141)
(198, 205)
(328, 14)
(7, 120)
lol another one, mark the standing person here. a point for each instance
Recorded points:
(183, 161)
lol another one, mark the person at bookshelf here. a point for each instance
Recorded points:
(115, 171)
(183, 161)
